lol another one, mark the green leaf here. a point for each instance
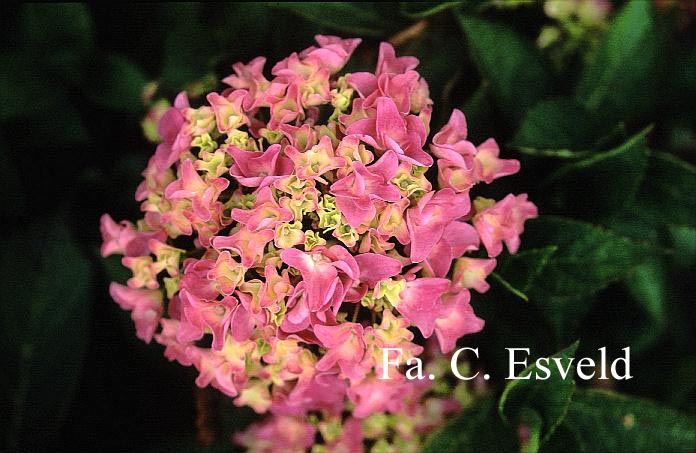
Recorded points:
(522, 269)
(46, 282)
(420, 10)
(599, 186)
(474, 430)
(28, 95)
(648, 286)
(560, 124)
(59, 38)
(361, 19)
(587, 260)
(600, 420)
(509, 286)
(479, 111)
(511, 64)
(548, 399)
(621, 81)
(186, 46)
(667, 195)
(684, 245)
(117, 83)
(59, 25)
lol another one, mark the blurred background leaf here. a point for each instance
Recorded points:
(44, 330)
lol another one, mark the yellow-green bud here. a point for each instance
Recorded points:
(271, 137)
(346, 234)
(288, 235)
(312, 240)
(205, 142)
(171, 285)
(389, 290)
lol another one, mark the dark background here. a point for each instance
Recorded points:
(606, 138)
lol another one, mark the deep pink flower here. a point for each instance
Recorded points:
(389, 130)
(374, 267)
(248, 244)
(259, 168)
(190, 186)
(457, 239)
(266, 214)
(429, 218)
(326, 272)
(355, 192)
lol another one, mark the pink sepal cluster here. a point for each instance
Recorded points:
(290, 234)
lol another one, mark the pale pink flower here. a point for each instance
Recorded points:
(504, 222)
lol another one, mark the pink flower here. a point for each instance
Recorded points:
(504, 222)
(355, 193)
(376, 395)
(248, 244)
(487, 164)
(227, 273)
(145, 306)
(420, 302)
(456, 319)
(457, 239)
(258, 168)
(285, 108)
(122, 238)
(374, 267)
(346, 348)
(229, 114)
(266, 214)
(388, 129)
(393, 223)
(174, 350)
(190, 186)
(333, 53)
(453, 133)
(197, 315)
(388, 63)
(195, 278)
(215, 369)
(326, 272)
(472, 273)
(316, 161)
(249, 77)
(281, 433)
(175, 138)
(254, 192)
(429, 218)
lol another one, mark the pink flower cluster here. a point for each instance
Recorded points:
(290, 233)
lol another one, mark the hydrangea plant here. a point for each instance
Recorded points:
(292, 232)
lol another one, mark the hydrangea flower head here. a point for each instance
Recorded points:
(290, 233)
